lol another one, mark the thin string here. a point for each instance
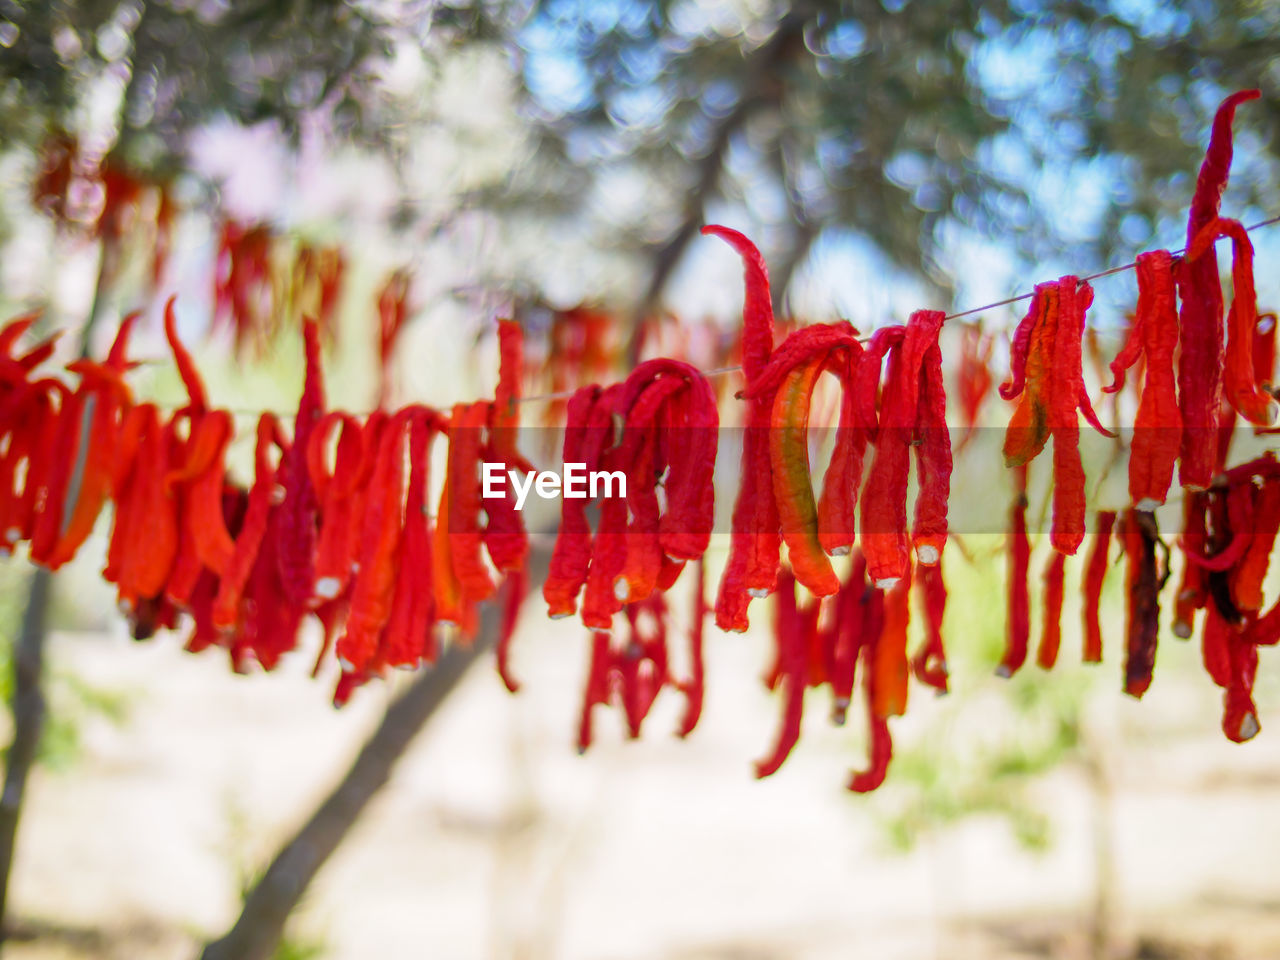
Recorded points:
(723, 371)
(720, 371)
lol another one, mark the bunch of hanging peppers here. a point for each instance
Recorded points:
(336, 522)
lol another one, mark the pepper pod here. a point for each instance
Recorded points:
(973, 378)
(1018, 547)
(408, 637)
(1157, 429)
(1143, 583)
(752, 569)
(1200, 364)
(1241, 388)
(1046, 367)
(296, 551)
(883, 533)
(1095, 572)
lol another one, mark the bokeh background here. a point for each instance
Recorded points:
(530, 158)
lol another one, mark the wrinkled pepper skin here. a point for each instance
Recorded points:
(1200, 368)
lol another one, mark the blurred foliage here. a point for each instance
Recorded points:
(73, 702)
(181, 63)
(1056, 126)
(889, 118)
(992, 739)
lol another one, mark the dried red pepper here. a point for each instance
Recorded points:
(752, 568)
(407, 636)
(930, 664)
(1018, 624)
(1241, 388)
(571, 554)
(973, 377)
(1095, 572)
(466, 441)
(1249, 573)
(226, 606)
(1157, 431)
(884, 501)
(695, 687)
(1142, 615)
(374, 585)
(792, 644)
(890, 665)
(1200, 369)
(933, 462)
(793, 487)
(1054, 589)
(298, 513)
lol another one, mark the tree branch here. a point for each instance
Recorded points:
(761, 87)
(260, 926)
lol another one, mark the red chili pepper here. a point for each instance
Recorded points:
(1095, 572)
(597, 686)
(1018, 626)
(859, 616)
(407, 637)
(504, 535)
(884, 501)
(393, 310)
(226, 607)
(1192, 591)
(1251, 571)
(110, 399)
(1264, 349)
(791, 642)
(881, 745)
(838, 502)
(752, 568)
(793, 488)
(1239, 715)
(695, 687)
(1157, 432)
(571, 554)
(1242, 391)
(1049, 339)
(1215, 647)
(890, 665)
(504, 426)
(609, 548)
(870, 367)
(930, 664)
(213, 542)
(973, 377)
(295, 553)
(373, 589)
(1200, 368)
(449, 601)
(515, 588)
(55, 478)
(1142, 615)
(152, 544)
(692, 435)
(1051, 636)
(465, 538)
(933, 462)
(638, 454)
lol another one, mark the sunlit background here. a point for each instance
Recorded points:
(524, 159)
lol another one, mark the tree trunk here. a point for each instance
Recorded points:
(257, 932)
(28, 723)
(761, 86)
